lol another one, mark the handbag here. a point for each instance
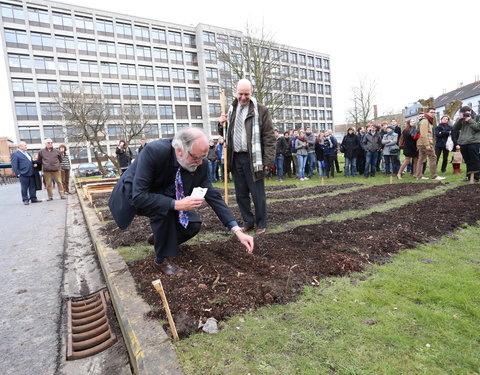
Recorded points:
(449, 145)
(394, 149)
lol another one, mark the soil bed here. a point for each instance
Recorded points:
(222, 280)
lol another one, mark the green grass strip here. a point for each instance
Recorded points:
(419, 314)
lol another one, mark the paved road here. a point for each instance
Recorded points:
(45, 256)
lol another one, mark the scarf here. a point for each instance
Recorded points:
(256, 155)
(429, 118)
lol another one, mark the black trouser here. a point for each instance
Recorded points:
(246, 186)
(329, 165)
(335, 160)
(471, 155)
(391, 162)
(361, 162)
(28, 188)
(287, 165)
(168, 233)
(438, 151)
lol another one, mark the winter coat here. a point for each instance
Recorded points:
(469, 131)
(281, 146)
(330, 145)
(388, 141)
(426, 133)
(212, 153)
(442, 132)
(124, 157)
(350, 146)
(319, 151)
(311, 142)
(410, 148)
(372, 142)
(302, 147)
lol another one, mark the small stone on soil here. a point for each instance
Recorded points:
(210, 326)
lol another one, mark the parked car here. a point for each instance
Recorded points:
(109, 166)
(88, 169)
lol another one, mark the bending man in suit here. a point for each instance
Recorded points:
(159, 185)
(23, 167)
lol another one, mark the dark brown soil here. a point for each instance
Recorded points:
(221, 279)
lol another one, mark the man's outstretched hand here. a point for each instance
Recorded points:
(188, 204)
(246, 240)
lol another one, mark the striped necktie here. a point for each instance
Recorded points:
(179, 194)
(238, 129)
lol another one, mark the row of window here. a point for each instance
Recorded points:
(40, 17)
(306, 114)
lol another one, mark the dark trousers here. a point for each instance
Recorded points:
(245, 186)
(329, 165)
(287, 165)
(335, 160)
(471, 155)
(361, 162)
(391, 162)
(371, 159)
(27, 184)
(438, 151)
(168, 233)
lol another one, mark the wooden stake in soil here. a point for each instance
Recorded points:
(158, 286)
(472, 178)
(323, 180)
(391, 179)
(224, 152)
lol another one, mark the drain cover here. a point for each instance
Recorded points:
(88, 328)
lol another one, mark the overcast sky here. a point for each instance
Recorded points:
(411, 49)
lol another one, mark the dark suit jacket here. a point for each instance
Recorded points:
(21, 164)
(141, 189)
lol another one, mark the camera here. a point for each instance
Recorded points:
(466, 114)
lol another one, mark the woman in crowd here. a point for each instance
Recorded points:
(409, 149)
(65, 168)
(350, 147)
(301, 145)
(391, 151)
(329, 150)
(319, 154)
(124, 155)
(442, 132)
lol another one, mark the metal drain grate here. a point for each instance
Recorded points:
(88, 328)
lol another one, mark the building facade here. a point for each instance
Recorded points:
(171, 73)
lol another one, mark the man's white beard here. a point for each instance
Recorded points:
(189, 167)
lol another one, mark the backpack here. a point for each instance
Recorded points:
(415, 132)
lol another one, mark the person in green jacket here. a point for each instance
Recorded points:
(468, 137)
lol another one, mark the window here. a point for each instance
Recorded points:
(114, 132)
(328, 90)
(326, 64)
(12, 13)
(130, 91)
(17, 38)
(214, 110)
(328, 103)
(147, 92)
(178, 75)
(176, 57)
(182, 126)
(151, 131)
(310, 60)
(67, 66)
(104, 27)
(50, 111)
(160, 54)
(106, 48)
(295, 86)
(47, 88)
(319, 75)
(164, 93)
(125, 51)
(319, 88)
(293, 58)
(314, 114)
(210, 56)
(109, 70)
(168, 130)
(166, 112)
(145, 72)
(64, 43)
(144, 53)
(275, 55)
(284, 56)
(304, 101)
(311, 75)
(329, 114)
(321, 102)
(296, 99)
(194, 94)
(89, 68)
(30, 135)
(196, 112)
(192, 76)
(162, 74)
(124, 30)
(115, 110)
(142, 33)
(128, 71)
(91, 88)
(303, 60)
(62, 21)
(285, 70)
(209, 38)
(26, 111)
(175, 38)
(179, 93)
(286, 85)
(189, 40)
(159, 36)
(111, 90)
(87, 47)
(213, 92)
(212, 74)
(306, 114)
(37, 17)
(19, 63)
(311, 88)
(55, 133)
(191, 58)
(297, 114)
(149, 110)
(313, 101)
(318, 62)
(44, 65)
(181, 112)
(41, 41)
(84, 24)
(303, 73)
(236, 42)
(327, 77)
(294, 70)
(23, 87)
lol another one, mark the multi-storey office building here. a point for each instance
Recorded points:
(172, 72)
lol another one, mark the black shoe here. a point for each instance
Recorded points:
(26, 203)
(168, 268)
(37, 201)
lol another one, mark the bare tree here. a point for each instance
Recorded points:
(86, 117)
(362, 102)
(257, 59)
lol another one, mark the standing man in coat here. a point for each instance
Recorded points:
(51, 159)
(469, 141)
(250, 152)
(280, 151)
(23, 167)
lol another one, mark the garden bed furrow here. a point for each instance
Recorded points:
(222, 280)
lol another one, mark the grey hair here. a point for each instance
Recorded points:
(184, 138)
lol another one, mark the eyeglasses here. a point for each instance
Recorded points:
(196, 158)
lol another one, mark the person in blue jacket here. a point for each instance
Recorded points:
(442, 132)
(23, 166)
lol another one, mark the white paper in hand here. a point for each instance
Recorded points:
(199, 192)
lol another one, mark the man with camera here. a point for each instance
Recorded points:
(467, 133)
